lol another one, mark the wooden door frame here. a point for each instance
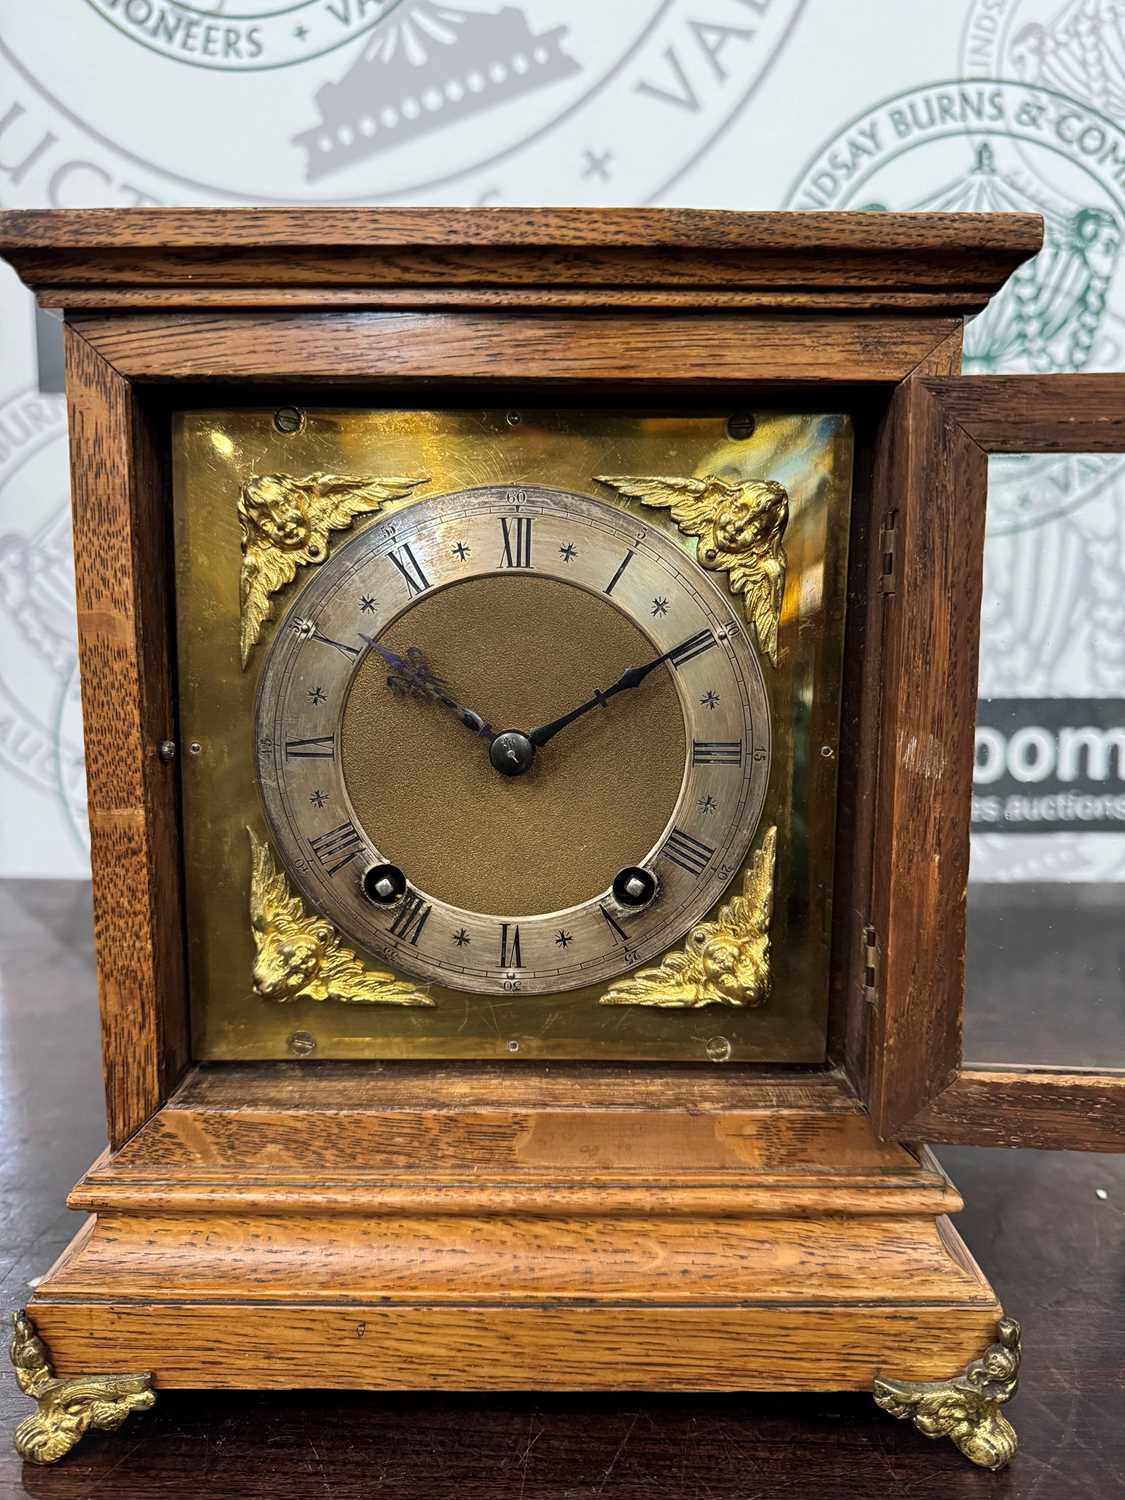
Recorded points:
(919, 1087)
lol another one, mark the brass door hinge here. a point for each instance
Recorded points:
(872, 966)
(888, 554)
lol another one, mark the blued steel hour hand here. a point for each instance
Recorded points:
(630, 679)
(412, 676)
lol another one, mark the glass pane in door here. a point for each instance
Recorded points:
(1045, 976)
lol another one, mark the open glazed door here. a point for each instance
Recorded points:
(931, 1074)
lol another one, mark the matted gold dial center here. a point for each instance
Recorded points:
(521, 650)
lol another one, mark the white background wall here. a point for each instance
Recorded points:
(718, 103)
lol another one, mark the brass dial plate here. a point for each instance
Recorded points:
(216, 452)
(669, 776)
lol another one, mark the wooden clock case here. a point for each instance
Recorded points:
(568, 1226)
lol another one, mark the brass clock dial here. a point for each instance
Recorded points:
(512, 740)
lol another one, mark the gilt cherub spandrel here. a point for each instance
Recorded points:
(740, 525)
(285, 524)
(723, 962)
(300, 957)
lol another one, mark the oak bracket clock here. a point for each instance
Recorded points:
(528, 670)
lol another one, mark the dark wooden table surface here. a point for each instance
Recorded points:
(1053, 1245)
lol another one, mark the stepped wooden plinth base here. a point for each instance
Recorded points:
(532, 1246)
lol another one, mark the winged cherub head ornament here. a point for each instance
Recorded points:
(740, 526)
(285, 524)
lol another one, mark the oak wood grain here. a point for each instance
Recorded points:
(828, 1258)
(933, 301)
(957, 260)
(281, 1135)
(400, 1085)
(875, 490)
(1029, 1107)
(931, 630)
(318, 1193)
(373, 1347)
(645, 351)
(279, 1445)
(498, 1258)
(585, 1142)
(425, 1228)
(1037, 413)
(972, 238)
(120, 523)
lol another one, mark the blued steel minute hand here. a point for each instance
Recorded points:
(412, 674)
(630, 679)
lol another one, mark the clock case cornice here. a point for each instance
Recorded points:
(372, 258)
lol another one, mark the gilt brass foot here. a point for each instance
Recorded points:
(67, 1408)
(966, 1408)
